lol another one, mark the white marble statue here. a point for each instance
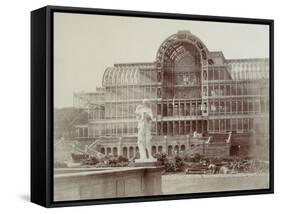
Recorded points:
(144, 116)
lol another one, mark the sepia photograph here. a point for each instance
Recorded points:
(152, 106)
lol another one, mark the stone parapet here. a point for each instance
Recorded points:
(96, 183)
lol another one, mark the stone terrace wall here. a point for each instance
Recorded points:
(77, 184)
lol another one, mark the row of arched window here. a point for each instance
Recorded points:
(133, 151)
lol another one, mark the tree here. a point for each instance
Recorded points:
(65, 120)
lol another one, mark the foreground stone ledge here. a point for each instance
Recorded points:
(96, 183)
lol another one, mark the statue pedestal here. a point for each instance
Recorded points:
(146, 162)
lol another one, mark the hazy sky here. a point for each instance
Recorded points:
(85, 45)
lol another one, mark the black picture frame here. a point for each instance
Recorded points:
(42, 104)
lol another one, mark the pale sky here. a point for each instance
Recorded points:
(85, 45)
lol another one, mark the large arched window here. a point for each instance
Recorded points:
(182, 71)
(181, 59)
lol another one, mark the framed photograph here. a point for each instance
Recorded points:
(134, 106)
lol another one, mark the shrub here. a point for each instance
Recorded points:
(113, 161)
(171, 164)
(196, 158)
(90, 160)
(179, 163)
(122, 159)
(117, 161)
(161, 157)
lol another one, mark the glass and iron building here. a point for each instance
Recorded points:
(196, 95)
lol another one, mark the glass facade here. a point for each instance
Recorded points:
(189, 89)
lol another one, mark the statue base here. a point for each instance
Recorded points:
(146, 162)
